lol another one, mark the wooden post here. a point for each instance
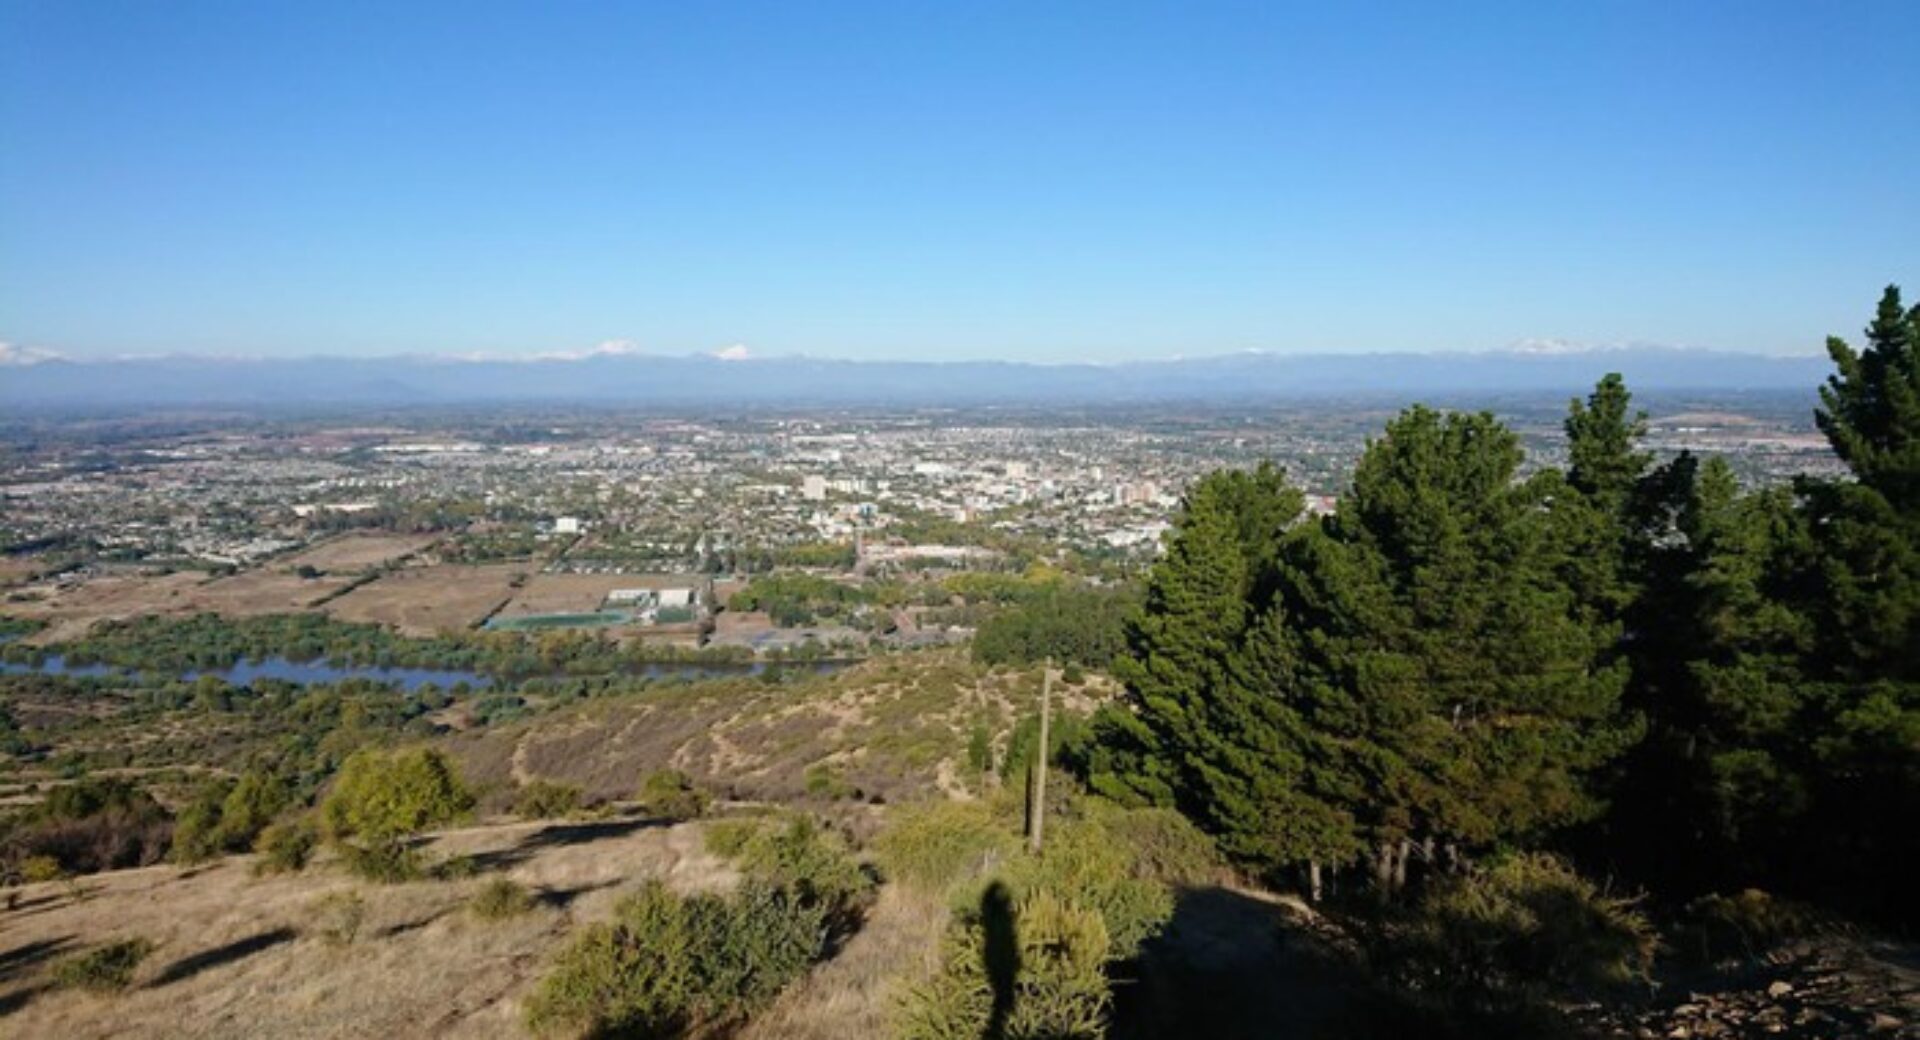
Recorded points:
(1037, 811)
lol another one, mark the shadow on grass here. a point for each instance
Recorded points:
(561, 898)
(562, 835)
(207, 960)
(22, 960)
(1230, 965)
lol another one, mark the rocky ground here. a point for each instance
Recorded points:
(1829, 988)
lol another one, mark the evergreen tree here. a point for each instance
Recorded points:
(1438, 614)
(1870, 407)
(1179, 643)
(1601, 438)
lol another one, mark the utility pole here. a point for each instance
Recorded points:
(1037, 810)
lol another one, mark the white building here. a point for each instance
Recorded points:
(814, 488)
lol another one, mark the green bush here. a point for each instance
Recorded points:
(103, 969)
(1519, 929)
(800, 855)
(500, 898)
(381, 799)
(546, 799)
(1044, 961)
(938, 845)
(286, 847)
(672, 795)
(667, 964)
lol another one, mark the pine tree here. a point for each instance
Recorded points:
(1178, 644)
(1601, 438)
(1436, 611)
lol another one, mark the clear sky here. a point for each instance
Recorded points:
(1030, 180)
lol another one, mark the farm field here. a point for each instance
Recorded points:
(352, 553)
(424, 601)
(583, 593)
(70, 610)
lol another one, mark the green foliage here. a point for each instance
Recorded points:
(824, 781)
(980, 749)
(797, 598)
(1066, 732)
(1080, 625)
(1526, 927)
(285, 847)
(1428, 663)
(547, 799)
(668, 964)
(104, 969)
(381, 800)
(499, 899)
(1034, 970)
(196, 829)
(798, 855)
(1602, 438)
(226, 816)
(34, 869)
(670, 794)
(937, 845)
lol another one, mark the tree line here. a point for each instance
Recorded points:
(1679, 681)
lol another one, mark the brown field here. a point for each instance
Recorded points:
(14, 570)
(238, 956)
(428, 600)
(264, 592)
(894, 728)
(353, 553)
(580, 593)
(71, 610)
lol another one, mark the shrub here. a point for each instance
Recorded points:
(813, 862)
(1521, 928)
(545, 799)
(285, 847)
(500, 898)
(672, 795)
(824, 781)
(1039, 968)
(669, 964)
(1715, 927)
(41, 868)
(382, 799)
(940, 844)
(196, 831)
(338, 917)
(103, 969)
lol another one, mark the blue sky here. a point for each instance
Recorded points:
(1033, 181)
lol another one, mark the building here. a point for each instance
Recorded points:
(567, 525)
(814, 488)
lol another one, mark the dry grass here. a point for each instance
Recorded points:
(358, 552)
(583, 593)
(426, 601)
(71, 609)
(894, 728)
(237, 956)
(854, 994)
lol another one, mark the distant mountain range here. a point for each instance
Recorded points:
(731, 380)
